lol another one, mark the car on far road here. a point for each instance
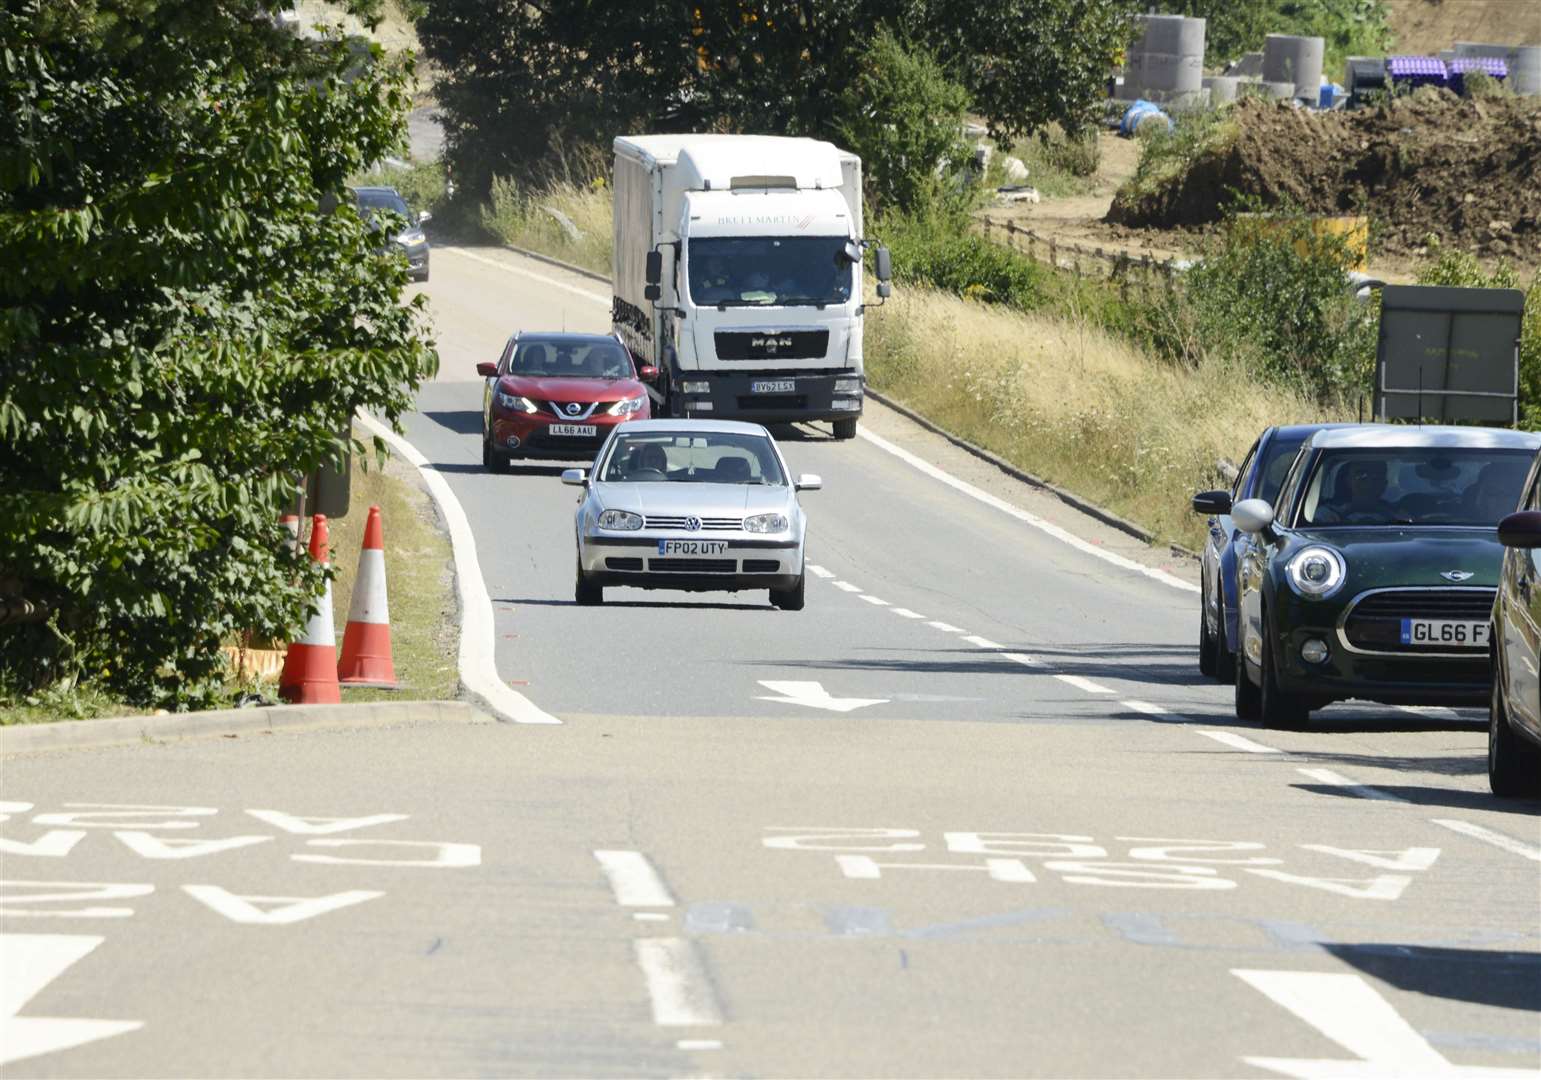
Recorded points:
(1514, 707)
(1374, 577)
(558, 396)
(410, 239)
(700, 505)
(1260, 476)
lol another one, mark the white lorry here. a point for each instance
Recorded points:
(738, 274)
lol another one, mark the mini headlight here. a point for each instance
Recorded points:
(1315, 572)
(622, 520)
(694, 387)
(516, 401)
(626, 406)
(765, 523)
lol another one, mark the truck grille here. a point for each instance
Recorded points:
(708, 524)
(763, 345)
(1374, 621)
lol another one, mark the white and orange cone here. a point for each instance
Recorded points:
(366, 642)
(310, 665)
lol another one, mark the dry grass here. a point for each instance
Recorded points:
(525, 219)
(1069, 403)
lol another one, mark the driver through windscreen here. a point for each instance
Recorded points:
(711, 458)
(1414, 487)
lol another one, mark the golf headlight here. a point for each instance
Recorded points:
(848, 385)
(695, 387)
(766, 523)
(623, 520)
(626, 406)
(517, 402)
(1316, 572)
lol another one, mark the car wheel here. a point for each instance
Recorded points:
(845, 429)
(493, 460)
(1513, 766)
(586, 591)
(790, 599)
(1278, 709)
(1248, 697)
(1206, 640)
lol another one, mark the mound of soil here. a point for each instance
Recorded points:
(1467, 171)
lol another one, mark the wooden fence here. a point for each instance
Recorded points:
(1108, 263)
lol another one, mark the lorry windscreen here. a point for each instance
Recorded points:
(768, 271)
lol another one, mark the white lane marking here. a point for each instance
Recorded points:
(698, 1044)
(846, 586)
(649, 916)
(149, 846)
(30, 962)
(288, 909)
(813, 695)
(478, 661)
(1062, 535)
(1239, 742)
(53, 844)
(1413, 858)
(874, 600)
(1488, 836)
(321, 826)
(946, 628)
(983, 642)
(820, 572)
(587, 294)
(447, 855)
(906, 613)
(681, 993)
(1144, 707)
(1021, 658)
(633, 879)
(1350, 1012)
(1364, 791)
(1085, 685)
(15, 900)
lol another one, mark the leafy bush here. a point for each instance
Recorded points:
(1347, 27)
(937, 248)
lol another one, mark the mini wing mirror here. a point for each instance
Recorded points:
(1253, 516)
(654, 272)
(1212, 502)
(486, 370)
(575, 477)
(1521, 530)
(883, 266)
(647, 373)
(423, 217)
(809, 482)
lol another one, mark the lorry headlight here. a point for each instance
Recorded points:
(696, 387)
(848, 385)
(845, 404)
(1315, 572)
(620, 520)
(766, 523)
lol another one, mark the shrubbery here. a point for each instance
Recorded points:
(936, 247)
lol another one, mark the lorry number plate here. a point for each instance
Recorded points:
(1443, 632)
(692, 547)
(773, 386)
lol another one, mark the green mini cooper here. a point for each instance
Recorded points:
(1374, 577)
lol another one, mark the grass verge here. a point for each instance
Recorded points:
(566, 220)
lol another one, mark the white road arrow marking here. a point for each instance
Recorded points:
(814, 696)
(31, 962)
(289, 909)
(1352, 1014)
(318, 826)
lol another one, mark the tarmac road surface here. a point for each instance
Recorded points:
(972, 812)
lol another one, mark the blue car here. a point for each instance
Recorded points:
(1260, 477)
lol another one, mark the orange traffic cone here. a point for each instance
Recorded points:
(310, 666)
(366, 642)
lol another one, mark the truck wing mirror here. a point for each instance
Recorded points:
(654, 269)
(652, 292)
(885, 266)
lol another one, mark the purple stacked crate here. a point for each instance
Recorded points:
(1415, 71)
(1493, 66)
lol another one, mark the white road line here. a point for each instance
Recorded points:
(1062, 535)
(698, 1044)
(1488, 836)
(1240, 742)
(874, 600)
(676, 982)
(983, 642)
(649, 916)
(846, 586)
(1083, 684)
(820, 572)
(478, 661)
(1145, 707)
(498, 264)
(906, 613)
(632, 877)
(1021, 658)
(30, 962)
(1327, 776)
(946, 628)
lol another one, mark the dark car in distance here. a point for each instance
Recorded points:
(559, 395)
(376, 202)
(1260, 476)
(1514, 708)
(1374, 577)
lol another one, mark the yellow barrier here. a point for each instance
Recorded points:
(1354, 231)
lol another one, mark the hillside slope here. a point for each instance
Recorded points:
(1426, 26)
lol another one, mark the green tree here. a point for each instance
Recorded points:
(904, 118)
(183, 328)
(1347, 27)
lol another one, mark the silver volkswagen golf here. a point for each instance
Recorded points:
(702, 505)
